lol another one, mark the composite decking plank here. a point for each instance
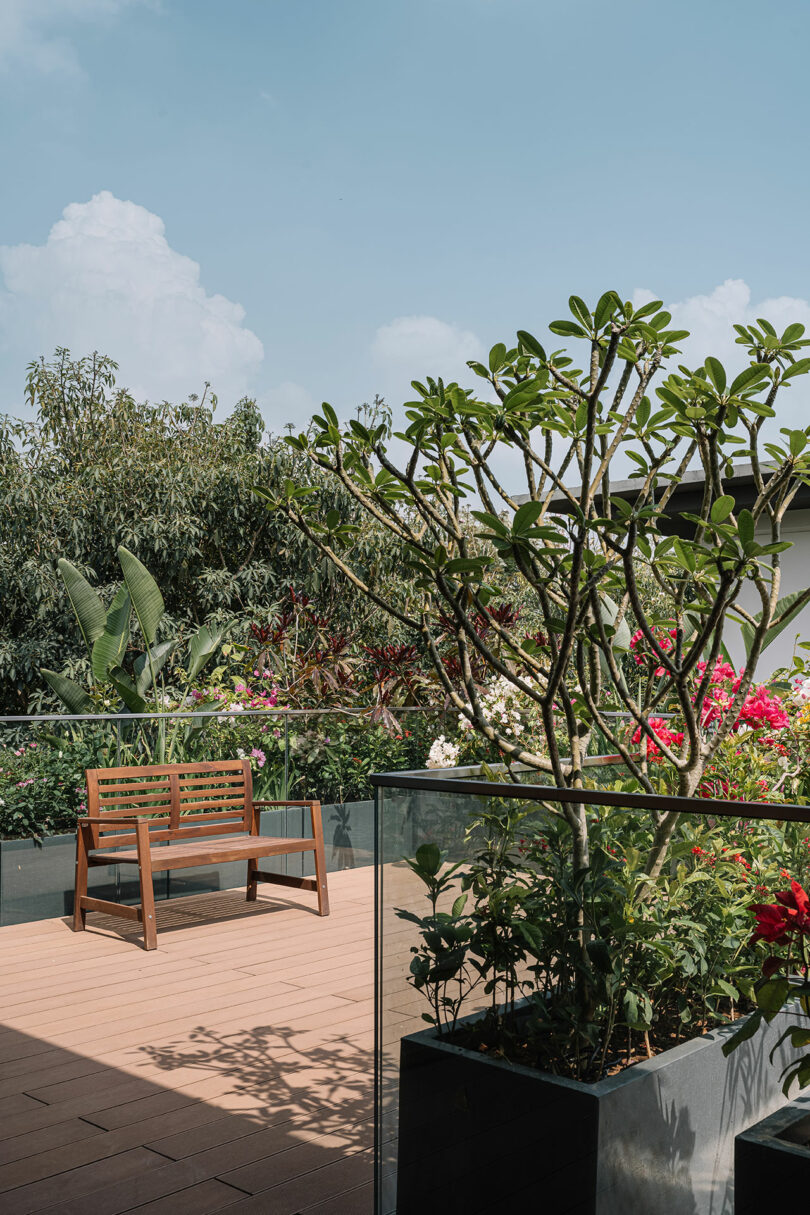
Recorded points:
(229, 1049)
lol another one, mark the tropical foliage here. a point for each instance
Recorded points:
(95, 469)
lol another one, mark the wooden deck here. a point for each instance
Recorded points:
(230, 1069)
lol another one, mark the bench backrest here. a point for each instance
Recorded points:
(183, 801)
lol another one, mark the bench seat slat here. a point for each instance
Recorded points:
(212, 852)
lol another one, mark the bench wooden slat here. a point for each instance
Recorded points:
(183, 856)
(163, 822)
(178, 811)
(168, 834)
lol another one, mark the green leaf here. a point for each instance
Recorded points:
(497, 356)
(85, 603)
(147, 666)
(792, 333)
(531, 345)
(567, 329)
(716, 373)
(429, 858)
(607, 305)
(111, 646)
(126, 690)
(74, 698)
(580, 310)
(800, 367)
(722, 508)
(204, 645)
(745, 529)
(144, 592)
(748, 379)
(787, 609)
(771, 995)
(526, 516)
(599, 953)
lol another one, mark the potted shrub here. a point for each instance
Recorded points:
(594, 1076)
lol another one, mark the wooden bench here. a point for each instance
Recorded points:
(174, 814)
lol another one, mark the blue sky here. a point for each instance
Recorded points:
(376, 190)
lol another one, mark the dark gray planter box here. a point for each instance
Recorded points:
(772, 1162)
(36, 880)
(479, 1135)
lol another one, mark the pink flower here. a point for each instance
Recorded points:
(259, 756)
(660, 729)
(644, 657)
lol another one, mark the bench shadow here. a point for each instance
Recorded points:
(174, 915)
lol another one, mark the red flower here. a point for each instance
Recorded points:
(784, 920)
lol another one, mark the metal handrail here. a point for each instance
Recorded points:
(353, 710)
(663, 803)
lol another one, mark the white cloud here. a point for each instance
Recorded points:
(36, 33)
(107, 279)
(710, 320)
(412, 347)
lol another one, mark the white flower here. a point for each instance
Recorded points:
(240, 753)
(443, 754)
(801, 693)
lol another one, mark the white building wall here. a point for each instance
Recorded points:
(795, 577)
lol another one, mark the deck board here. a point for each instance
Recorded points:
(230, 1069)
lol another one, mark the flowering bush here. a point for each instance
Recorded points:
(761, 708)
(785, 975)
(661, 961)
(42, 785)
(644, 656)
(670, 738)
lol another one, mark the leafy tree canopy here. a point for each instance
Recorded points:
(96, 469)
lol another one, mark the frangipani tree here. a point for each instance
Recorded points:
(582, 553)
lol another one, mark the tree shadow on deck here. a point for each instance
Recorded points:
(280, 1128)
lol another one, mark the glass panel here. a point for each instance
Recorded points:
(328, 755)
(406, 819)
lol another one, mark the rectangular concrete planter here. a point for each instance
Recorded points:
(479, 1135)
(772, 1162)
(36, 879)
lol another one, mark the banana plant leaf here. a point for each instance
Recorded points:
(85, 602)
(126, 689)
(145, 593)
(204, 644)
(74, 698)
(148, 665)
(110, 647)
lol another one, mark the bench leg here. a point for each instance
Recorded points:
(320, 860)
(80, 887)
(147, 887)
(252, 884)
